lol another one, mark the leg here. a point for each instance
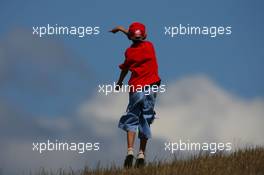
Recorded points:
(130, 144)
(143, 144)
(130, 139)
(140, 162)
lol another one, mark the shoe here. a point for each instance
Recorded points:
(140, 162)
(128, 161)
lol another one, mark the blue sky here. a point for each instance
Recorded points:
(235, 62)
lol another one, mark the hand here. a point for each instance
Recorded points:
(117, 29)
(118, 86)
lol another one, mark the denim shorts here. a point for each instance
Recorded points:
(140, 113)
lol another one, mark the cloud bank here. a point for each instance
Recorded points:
(194, 108)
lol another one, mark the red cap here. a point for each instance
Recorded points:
(137, 29)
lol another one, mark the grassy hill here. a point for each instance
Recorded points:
(246, 161)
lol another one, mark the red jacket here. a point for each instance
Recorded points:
(140, 59)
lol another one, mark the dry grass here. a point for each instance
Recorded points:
(246, 161)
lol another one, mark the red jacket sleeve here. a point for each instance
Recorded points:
(126, 64)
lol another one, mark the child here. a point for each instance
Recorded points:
(141, 60)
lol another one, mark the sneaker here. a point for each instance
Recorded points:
(140, 162)
(128, 161)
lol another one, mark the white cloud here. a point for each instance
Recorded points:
(192, 108)
(105, 109)
(196, 108)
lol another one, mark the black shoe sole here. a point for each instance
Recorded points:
(128, 161)
(140, 163)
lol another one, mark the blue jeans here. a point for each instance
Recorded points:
(140, 113)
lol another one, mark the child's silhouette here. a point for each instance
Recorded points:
(140, 59)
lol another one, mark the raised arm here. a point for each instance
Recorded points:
(119, 29)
